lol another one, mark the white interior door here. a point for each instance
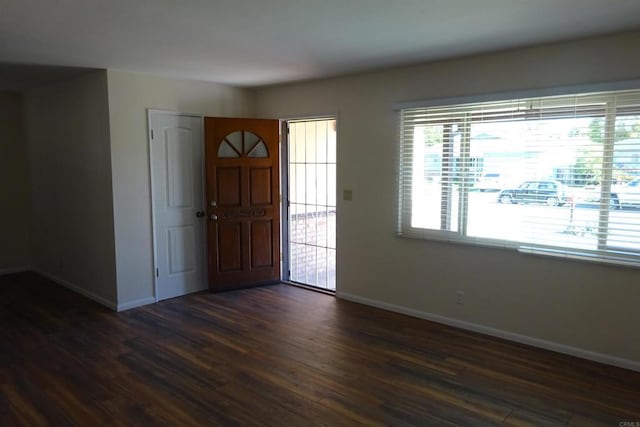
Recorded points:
(178, 211)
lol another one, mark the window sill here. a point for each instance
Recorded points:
(581, 256)
(627, 260)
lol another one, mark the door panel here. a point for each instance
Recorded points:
(229, 239)
(181, 250)
(261, 186)
(243, 204)
(177, 177)
(261, 248)
(179, 167)
(228, 186)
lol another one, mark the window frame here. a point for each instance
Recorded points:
(605, 253)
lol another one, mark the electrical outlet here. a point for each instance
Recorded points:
(460, 297)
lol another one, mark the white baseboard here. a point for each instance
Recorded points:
(75, 288)
(14, 270)
(499, 333)
(136, 303)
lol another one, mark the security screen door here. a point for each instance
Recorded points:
(311, 207)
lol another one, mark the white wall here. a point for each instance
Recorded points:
(130, 95)
(585, 306)
(67, 129)
(14, 187)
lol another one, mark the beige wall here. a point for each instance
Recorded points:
(585, 306)
(67, 129)
(14, 187)
(130, 95)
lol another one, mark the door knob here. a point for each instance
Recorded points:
(200, 214)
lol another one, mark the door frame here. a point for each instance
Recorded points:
(285, 245)
(151, 112)
(285, 271)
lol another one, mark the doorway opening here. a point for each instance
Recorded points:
(310, 232)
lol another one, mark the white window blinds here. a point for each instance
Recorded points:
(557, 174)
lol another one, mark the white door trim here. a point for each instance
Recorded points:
(150, 113)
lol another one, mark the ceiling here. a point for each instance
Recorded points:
(261, 42)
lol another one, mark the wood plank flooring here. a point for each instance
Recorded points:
(280, 356)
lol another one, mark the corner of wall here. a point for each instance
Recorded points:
(67, 134)
(14, 185)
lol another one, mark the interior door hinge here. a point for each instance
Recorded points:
(157, 272)
(151, 133)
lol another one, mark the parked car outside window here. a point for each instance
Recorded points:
(622, 195)
(551, 193)
(626, 194)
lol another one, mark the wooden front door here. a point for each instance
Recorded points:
(243, 179)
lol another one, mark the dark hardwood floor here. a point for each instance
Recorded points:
(280, 356)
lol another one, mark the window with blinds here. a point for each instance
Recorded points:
(558, 175)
